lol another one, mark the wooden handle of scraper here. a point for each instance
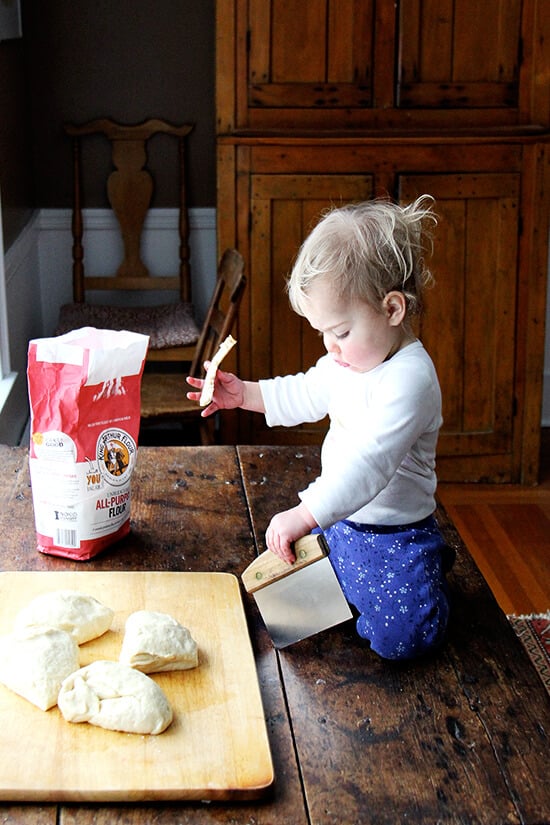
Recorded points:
(269, 568)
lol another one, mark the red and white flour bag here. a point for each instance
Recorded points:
(84, 392)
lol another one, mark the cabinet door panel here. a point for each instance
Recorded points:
(459, 54)
(311, 44)
(469, 322)
(284, 210)
(310, 57)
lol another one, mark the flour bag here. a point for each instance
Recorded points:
(84, 392)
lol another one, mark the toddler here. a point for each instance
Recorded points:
(358, 279)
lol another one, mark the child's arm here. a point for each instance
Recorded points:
(229, 392)
(284, 528)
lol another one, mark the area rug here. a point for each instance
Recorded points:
(534, 634)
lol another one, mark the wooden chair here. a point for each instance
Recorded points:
(158, 400)
(171, 325)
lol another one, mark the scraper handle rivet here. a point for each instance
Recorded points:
(268, 568)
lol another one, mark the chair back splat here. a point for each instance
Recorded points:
(171, 325)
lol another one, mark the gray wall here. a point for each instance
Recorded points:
(125, 59)
(16, 182)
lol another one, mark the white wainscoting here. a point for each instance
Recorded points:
(102, 252)
(38, 279)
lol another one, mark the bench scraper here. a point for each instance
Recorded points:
(299, 599)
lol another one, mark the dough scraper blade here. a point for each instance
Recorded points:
(300, 599)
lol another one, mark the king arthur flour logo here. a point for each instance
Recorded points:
(116, 454)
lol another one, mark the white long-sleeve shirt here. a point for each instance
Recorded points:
(378, 457)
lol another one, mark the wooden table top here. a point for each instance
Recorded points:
(461, 737)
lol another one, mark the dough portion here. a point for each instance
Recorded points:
(80, 615)
(155, 642)
(35, 661)
(207, 392)
(116, 697)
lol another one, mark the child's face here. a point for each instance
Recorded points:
(354, 333)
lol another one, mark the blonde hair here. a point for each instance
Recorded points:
(366, 250)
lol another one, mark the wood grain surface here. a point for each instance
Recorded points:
(455, 737)
(459, 737)
(215, 748)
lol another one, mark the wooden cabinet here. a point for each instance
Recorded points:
(320, 106)
(290, 65)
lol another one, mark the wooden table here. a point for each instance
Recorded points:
(461, 737)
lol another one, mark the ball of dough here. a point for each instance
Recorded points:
(35, 661)
(80, 615)
(155, 642)
(115, 696)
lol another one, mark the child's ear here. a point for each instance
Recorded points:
(395, 307)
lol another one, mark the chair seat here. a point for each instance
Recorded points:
(164, 395)
(167, 325)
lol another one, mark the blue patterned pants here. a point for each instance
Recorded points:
(395, 577)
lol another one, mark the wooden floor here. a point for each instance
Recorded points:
(507, 530)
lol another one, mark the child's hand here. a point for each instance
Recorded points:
(285, 528)
(228, 391)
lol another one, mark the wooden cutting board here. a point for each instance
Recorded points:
(217, 745)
